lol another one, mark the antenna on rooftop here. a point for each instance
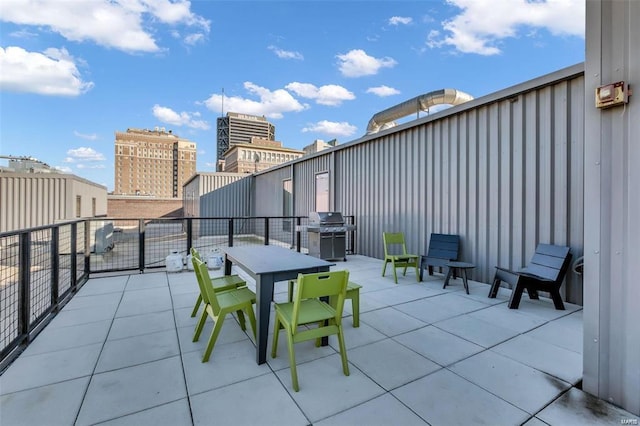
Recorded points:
(222, 109)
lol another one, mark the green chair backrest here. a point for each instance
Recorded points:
(323, 284)
(195, 253)
(206, 287)
(393, 240)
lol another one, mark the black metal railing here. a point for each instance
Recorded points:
(42, 268)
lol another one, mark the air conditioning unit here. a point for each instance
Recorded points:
(103, 237)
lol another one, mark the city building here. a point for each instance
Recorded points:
(237, 128)
(152, 163)
(258, 154)
(319, 145)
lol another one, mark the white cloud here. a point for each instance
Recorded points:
(83, 154)
(271, 104)
(169, 116)
(383, 91)
(286, 54)
(480, 26)
(193, 39)
(400, 20)
(92, 166)
(331, 128)
(356, 63)
(124, 24)
(89, 137)
(212, 165)
(329, 94)
(63, 169)
(52, 72)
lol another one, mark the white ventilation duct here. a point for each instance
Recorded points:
(384, 119)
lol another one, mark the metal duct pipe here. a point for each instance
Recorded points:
(384, 119)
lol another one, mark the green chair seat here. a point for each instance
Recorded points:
(219, 305)
(224, 283)
(353, 293)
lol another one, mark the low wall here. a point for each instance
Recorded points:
(132, 207)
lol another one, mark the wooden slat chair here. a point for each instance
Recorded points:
(395, 252)
(442, 249)
(226, 282)
(545, 272)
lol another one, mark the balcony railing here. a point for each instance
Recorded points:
(42, 268)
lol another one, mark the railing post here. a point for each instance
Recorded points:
(24, 276)
(87, 245)
(189, 234)
(73, 251)
(141, 238)
(298, 233)
(266, 231)
(55, 266)
(230, 232)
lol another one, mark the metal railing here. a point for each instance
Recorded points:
(42, 268)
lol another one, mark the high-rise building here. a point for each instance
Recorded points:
(237, 128)
(153, 163)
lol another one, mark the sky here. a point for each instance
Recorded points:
(73, 72)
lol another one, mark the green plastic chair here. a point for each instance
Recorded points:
(218, 304)
(394, 242)
(227, 282)
(353, 293)
(308, 309)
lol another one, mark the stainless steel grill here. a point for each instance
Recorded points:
(327, 235)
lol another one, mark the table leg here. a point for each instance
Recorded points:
(464, 279)
(446, 280)
(227, 265)
(264, 292)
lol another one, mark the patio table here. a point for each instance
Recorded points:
(462, 267)
(266, 265)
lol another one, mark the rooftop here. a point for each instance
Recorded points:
(121, 352)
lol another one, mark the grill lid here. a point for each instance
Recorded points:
(326, 218)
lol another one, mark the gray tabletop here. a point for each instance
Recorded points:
(268, 259)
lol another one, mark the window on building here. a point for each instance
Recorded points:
(93, 207)
(322, 192)
(78, 206)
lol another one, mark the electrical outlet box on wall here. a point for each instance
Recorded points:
(611, 95)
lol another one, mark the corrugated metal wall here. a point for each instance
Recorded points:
(612, 208)
(269, 192)
(29, 200)
(26, 202)
(304, 190)
(231, 200)
(505, 172)
(203, 183)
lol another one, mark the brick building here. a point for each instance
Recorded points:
(152, 162)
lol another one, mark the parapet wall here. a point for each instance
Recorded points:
(143, 207)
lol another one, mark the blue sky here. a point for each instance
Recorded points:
(73, 72)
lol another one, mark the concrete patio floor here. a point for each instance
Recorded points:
(120, 353)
